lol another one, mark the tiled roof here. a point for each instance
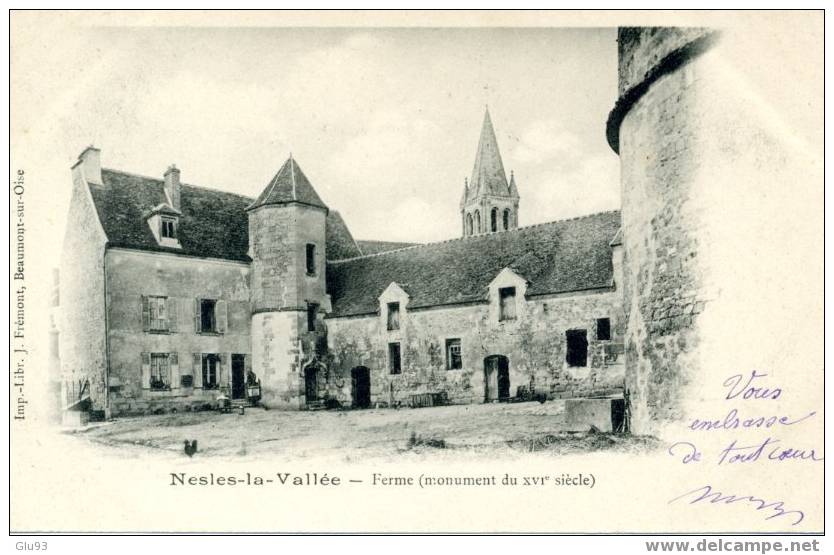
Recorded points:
(213, 223)
(289, 185)
(375, 247)
(340, 243)
(557, 257)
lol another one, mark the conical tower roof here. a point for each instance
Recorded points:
(289, 185)
(488, 176)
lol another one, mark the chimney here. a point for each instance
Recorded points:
(88, 165)
(172, 185)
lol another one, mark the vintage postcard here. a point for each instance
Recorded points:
(417, 272)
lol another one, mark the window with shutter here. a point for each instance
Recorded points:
(211, 371)
(160, 372)
(157, 313)
(206, 316)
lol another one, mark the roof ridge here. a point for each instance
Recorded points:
(479, 235)
(162, 181)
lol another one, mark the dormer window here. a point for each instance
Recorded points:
(169, 228)
(163, 221)
(393, 316)
(506, 296)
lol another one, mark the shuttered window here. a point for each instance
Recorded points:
(160, 376)
(210, 316)
(211, 371)
(159, 314)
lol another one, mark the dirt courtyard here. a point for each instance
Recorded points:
(499, 429)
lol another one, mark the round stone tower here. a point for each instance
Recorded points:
(287, 288)
(721, 175)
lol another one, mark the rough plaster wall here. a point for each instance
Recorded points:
(132, 274)
(534, 344)
(82, 339)
(277, 358)
(721, 212)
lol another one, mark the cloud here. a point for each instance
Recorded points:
(591, 184)
(544, 141)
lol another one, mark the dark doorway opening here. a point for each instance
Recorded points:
(238, 377)
(577, 351)
(311, 384)
(361, 387)
(618, 415)
(496, 378)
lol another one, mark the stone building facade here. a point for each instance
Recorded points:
(173, 295)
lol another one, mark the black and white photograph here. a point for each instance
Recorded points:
(491, 272)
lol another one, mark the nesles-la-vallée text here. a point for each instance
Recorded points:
(316, 479)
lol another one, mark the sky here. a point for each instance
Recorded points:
(384, 122)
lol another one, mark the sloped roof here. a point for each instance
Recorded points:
(340, 242)
(289, 185)
(557, 257)
(213, 223)
(375, 247)
(488, 175)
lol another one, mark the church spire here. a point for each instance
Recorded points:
(489, 202)
(488, 176)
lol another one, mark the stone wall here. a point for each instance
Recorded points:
(132, 274)
(81, 316)
(718, 214)
(534, 344)
(278, 236)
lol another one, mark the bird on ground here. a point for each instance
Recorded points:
(190, 447)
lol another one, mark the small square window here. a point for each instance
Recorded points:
(169, 228)
(506, 296)
(394, 361)
(393, 316)
(454, 361)
(311, 259)
(603, 329)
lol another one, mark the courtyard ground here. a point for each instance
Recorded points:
(495, 429)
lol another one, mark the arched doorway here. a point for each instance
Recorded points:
(496, 378)
(311, 384)
(361, 387)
